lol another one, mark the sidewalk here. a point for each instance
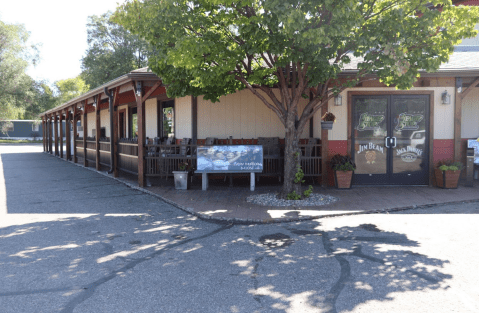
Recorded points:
(221, 202)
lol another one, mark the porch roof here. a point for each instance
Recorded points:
(139, 74)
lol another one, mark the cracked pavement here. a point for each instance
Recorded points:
(72, 240)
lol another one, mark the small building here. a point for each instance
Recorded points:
(21, 129)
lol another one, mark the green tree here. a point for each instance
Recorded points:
(214, 48)
(16, 87)
(44, 99)
(70, 88)
(112, 52)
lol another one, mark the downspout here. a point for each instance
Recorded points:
(110, 100)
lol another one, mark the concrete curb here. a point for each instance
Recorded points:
(233, 220)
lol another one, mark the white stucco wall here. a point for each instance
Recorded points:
(470, 115)
(91, 120)
(105, 121)
(241, 115)
(151, 119)
(183, 127)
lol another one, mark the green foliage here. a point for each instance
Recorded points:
(17, 89)
(293, 196)
(451, 166)
(308, 192)
(70, 88)
(112, 51)
(342, 163)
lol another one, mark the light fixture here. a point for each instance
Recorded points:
(338, 100)
(138, 88)
(445, 97)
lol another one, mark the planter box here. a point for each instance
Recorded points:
(447, 179)
(327, 124)
(342, 179)
(182, 181)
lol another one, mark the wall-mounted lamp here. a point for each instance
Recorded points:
(445, 97)
(338, 100)
(138, 88)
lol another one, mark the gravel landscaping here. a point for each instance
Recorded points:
(271, 199)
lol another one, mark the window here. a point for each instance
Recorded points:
(168, 113)
(35, 127)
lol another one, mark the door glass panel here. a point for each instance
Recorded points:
(370, 129)
(409, 129)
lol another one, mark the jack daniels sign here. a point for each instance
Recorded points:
(233, 159)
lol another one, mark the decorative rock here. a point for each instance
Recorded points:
(271, 199)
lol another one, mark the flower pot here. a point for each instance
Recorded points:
(342, 179)
(182, 181)
(447, 179)
(327, 124)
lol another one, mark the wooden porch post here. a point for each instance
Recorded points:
(50, 135)
(98, 132)
(114, 132)
(67, 134)
(61, 134)
(75, 121)
(85, 133)
(457, 120)
(56, 134)
(141, 135)
(324, 150)
(43, 134)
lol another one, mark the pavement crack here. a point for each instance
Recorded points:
(90, 289)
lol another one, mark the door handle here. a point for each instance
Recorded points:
(394, 140)
(386, 141)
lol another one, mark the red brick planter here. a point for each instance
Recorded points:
(447, 179)
(342, 179)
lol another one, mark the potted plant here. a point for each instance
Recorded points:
(182, 181)
(343, 167)
(327, 120)
(447, 174)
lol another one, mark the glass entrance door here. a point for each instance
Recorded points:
(390, 139)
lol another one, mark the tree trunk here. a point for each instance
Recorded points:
(292, 157)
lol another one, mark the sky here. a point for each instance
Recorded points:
(60, 26)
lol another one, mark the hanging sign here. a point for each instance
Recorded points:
(369, 122)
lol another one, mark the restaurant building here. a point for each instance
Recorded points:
(396, 137)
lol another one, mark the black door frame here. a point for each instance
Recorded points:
(389, 178)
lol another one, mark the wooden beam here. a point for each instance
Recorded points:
(457, 120)
(98, 132)
(85, 133)
(67, 134)
(56, 134)
(468, 89)
(114, 132)
(43, 134)
(194, 119)
(324, 150)
(141, 139)
(50, 135)
(156, 86)
(75, 132)
(61, 133)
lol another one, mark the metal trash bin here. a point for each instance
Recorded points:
(470, 168)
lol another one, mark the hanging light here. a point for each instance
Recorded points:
(445, 97)
(338, 100)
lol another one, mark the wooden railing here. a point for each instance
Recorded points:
(79, 148)
(128, 155)
(162, 160)
(104, 152)
(90, 150)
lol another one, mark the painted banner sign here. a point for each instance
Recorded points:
(232, 159)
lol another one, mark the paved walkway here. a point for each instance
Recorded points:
(221, 202)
